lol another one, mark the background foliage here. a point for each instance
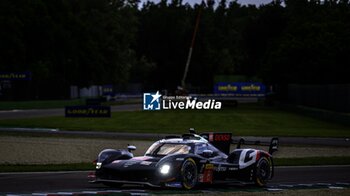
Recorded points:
(84, 42)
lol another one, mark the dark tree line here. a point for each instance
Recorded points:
(85, 42)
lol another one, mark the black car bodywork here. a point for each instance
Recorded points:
(185, 162)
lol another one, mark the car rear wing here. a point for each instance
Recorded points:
(273, 143)
(223, 142)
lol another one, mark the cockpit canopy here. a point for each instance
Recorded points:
(164, 148)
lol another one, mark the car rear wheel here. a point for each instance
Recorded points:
(263, 171)
(189, 174)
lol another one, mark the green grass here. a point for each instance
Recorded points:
(309, 161)
(242, 121)
(11, 105)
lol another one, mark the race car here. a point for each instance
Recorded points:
(185, 162)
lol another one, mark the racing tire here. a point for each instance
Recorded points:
(189, 174)
(263, 171)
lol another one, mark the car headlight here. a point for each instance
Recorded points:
(98, 165)
(165, 169)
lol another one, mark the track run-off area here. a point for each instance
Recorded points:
(76, 182)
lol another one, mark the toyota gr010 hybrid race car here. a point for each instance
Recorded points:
(185, 162)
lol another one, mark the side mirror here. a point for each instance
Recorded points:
(207, 153)
(131, 148)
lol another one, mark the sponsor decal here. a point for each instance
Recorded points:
(155, 101)
(211, 137)
(107, 90)
(174, 184)
(146, 163)
(209, 166)
(130, 163)
(232, 168)
(247, 158)
(88, 111)
(207, 176)
(141, 158)
(240, 89)
(222, 137)
(26, 75)
(220, 168)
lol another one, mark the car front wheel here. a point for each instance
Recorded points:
(189, 174)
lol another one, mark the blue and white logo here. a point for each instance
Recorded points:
(151, 101)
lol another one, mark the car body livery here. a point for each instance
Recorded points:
(185, 162)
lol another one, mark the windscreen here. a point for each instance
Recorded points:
(162, 149)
